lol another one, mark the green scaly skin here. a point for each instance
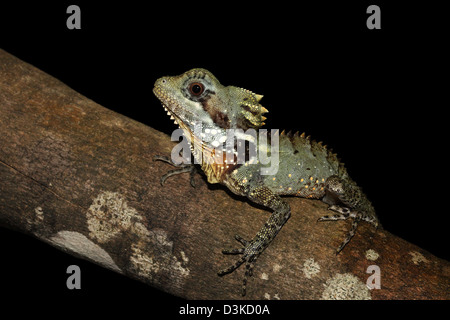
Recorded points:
(306, 168)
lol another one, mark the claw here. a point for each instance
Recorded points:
(343, 214)
(233, 251)
(232, 268)
(350, 235)
(241, 240)
(182, 168)
(177, 171)
(192, 180)
(248, 258)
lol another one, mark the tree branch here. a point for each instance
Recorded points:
(81, 177)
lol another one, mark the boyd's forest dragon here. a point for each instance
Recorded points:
(205, 110)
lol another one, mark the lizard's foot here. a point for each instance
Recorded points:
(249, 253)
(343, 214)
(348, 201)
(182, 168)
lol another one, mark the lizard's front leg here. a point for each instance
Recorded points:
(182, 168)
(252, 249)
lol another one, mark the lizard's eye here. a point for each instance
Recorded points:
(196, 88)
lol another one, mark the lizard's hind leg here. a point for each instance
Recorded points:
(347, 199)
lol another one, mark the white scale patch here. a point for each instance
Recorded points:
(215, 143)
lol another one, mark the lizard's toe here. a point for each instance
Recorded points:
(249, 256)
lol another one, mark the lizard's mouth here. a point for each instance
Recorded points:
(159, 93)
(172, 115)
(169, 106)
(176, 119)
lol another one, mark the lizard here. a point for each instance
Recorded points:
(306, 168)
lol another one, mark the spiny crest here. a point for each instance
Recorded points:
(316, 147)
(251, 110)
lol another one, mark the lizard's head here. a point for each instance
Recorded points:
(197, 96)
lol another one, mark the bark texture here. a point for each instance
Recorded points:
(81, 177)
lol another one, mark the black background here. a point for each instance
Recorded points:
(374, 96)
